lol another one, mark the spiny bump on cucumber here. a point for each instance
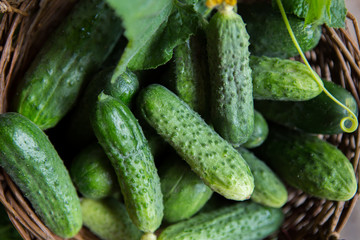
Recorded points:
(219, 165)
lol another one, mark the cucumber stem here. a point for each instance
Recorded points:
(148, 236)
(352, 117)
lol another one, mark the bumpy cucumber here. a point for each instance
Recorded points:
(268, 33)
(245, 220)
(318, 115)
(211, 157)
(108, 219)
(232, 110)
(123, 88)
(260, 132)
(191, 73)
(123, 141)
(269, 190)
(78, 47)
(92, 173)
(282, 79)
(31, 161)
(310, 164)
(184, 192)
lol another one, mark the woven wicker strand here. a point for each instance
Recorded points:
(336, 58)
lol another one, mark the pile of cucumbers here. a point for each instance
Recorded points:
(202, 148)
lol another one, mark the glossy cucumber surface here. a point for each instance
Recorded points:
(27, 155)
(77, 48)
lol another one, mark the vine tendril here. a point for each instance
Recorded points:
(352, 117)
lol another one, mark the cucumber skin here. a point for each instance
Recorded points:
(246, 220)
(319, 115)
(259, 135)
(184, 192)
(108, 219)
(269, 190)
(282, 79)
(123, 141)
(124, 87)
(191, 73)
(79, 45)
(268, 33)
(92, 173)
(310, 164)
(33, 164)
(209, 156)
(232, 109)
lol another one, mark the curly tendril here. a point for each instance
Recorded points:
(352, 117)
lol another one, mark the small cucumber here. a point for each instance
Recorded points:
(319, 115)
(191, 73)
(184, 192)
(77, 48)
(246, 220)
(211, 157)
(260, 132)
(92, 173)
(269, 190)
(108, 219)
(27, 155)
(123, 141)
(268, 33)
(309, 163)
(282, 79)
(232, 110)
(124, 87)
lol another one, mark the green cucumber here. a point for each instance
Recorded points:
(260, 132)
(310, 164)
(282, 79)
(92, 173)
(319, 115)
(209, 156)
(191, 73)
(108, 219)
(123, 141)
(246, 220)
(269, 190)
(124, 87)
(232, 110)
(184, 192)
(32, 162)
(78, 47)
(268, 33)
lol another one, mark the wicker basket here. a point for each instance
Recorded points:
(25, 26)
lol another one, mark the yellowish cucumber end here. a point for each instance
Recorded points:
(149, 236)
(223, 6)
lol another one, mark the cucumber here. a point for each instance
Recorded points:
(268, 33)
(108, 219)
(92, 173)
(246, 220)
(232, 110)
(123, 141)
(31, 161)
(269, 190)
(80, 132)
(310, 164)
(184, 192)
(191, 73)
(261, 130)
(78, 47)
(319, 115)
(282, 79)
(209, 156)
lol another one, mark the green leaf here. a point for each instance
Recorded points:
(141, 19)
(329, 12)
(154, 28)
